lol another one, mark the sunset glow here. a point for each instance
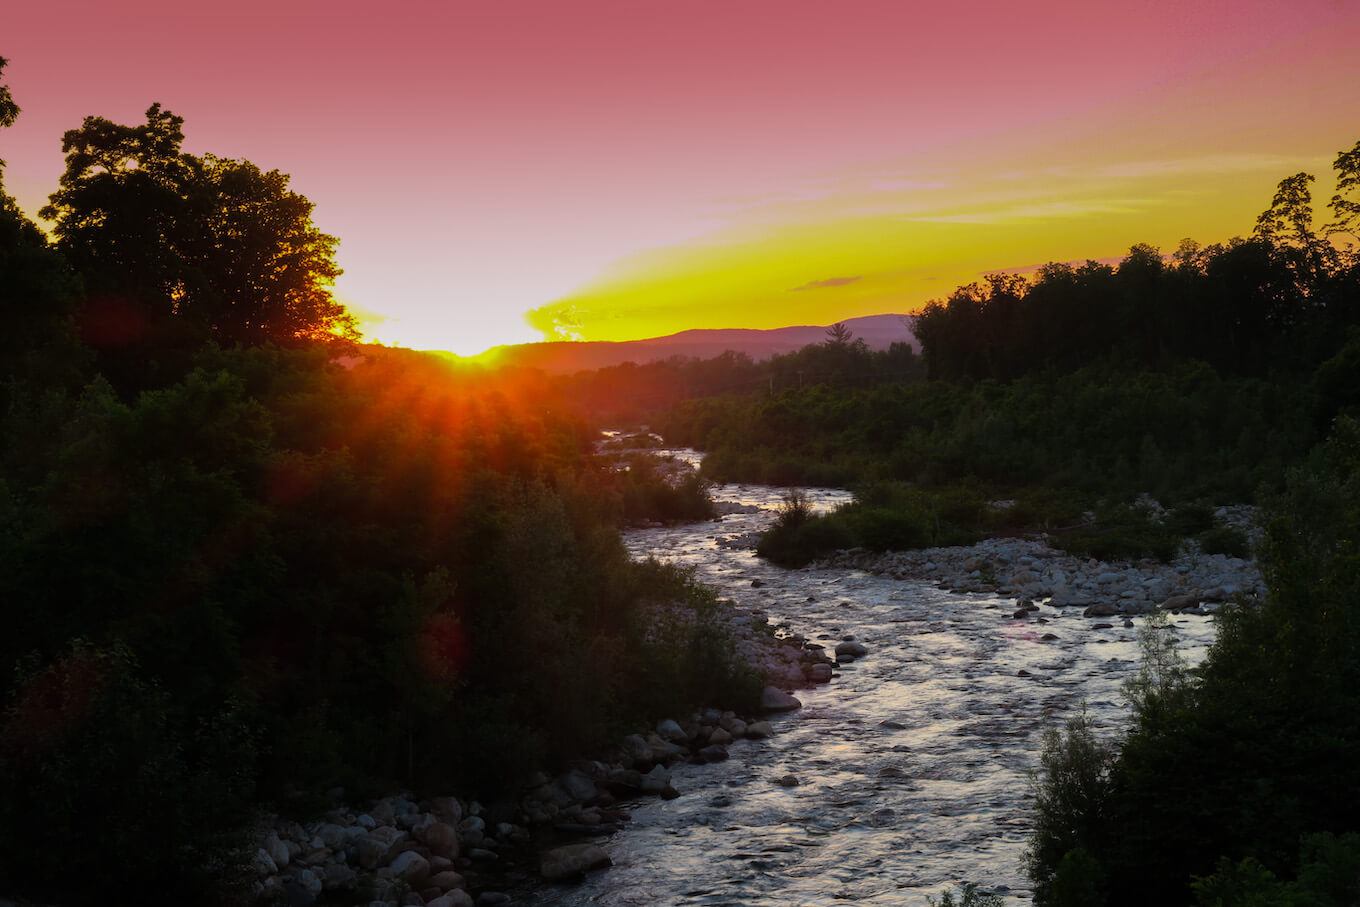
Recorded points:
(500, 173)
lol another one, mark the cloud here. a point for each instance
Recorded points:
(829, 282)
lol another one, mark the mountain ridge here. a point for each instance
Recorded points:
(568, 356)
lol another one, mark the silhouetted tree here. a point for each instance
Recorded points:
(218, 246)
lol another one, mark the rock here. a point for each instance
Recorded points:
(447, 879)
(892, 725)
(263, 863)
(411, 866)
(1180, 602)
(670, 793)
(577, 786)
(1100, 609)
(819, 673)
(338, 877)
(655, 781)
(332, 835)
(720, 737)
(713, 753)
(635, 751)
(773, 699)
(277, 850)
(372, 849)
(853, 649)
(759, 730)
(442, 839)
(1102, 626)
(670, 731)
(493, 897)
(735, 726)
(787, 781)
(573, 860)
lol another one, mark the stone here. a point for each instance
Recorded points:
(655, 781)
(411, 866)
(759, 730)
(263, 863)
(338, 877)
(773, 699)
(720, 737)
(851, 648)
(1180, 602)
(819, 673)
(577, 786)
(448, 809)
(277, 850)
(442, 839)
(734, 726)
(573, 860)
(787, 781)
(1100, 609)
(670, 731)
(713, 753)
(493, 897)
(635, 751)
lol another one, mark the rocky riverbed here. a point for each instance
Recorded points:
(907, 693)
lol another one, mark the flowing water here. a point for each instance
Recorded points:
(912, 765)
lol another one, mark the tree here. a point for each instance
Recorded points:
(1347, 210)
(838, 334)
(215, 245)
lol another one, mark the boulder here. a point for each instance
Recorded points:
(773, 699)
(577, 786)
(277, 850)
(1100, 609)
(759, 730)
(713, 753)
(442, 839)
(671, 731)
(655, 781)
(448, 879)
(720, 737)
(819, 673)
(572, 860)
(411, 866)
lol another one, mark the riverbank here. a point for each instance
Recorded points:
(1032, 570)
(448, 852)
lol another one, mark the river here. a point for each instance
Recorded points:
(912, 764)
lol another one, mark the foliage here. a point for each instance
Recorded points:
(1219, 778)
(1072, 799)
(174, 245)
(338, 563)
(1329, 876)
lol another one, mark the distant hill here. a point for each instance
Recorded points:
(565, 357)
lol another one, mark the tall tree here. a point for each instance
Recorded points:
(214, 244)
(1345, 204)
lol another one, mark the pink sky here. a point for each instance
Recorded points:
(636, 168)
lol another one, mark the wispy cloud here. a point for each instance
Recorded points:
(829, 282)
(1043, 211)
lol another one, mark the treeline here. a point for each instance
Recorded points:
(247, 561)
(1196, 378)
(1279, 302)
(631, 393)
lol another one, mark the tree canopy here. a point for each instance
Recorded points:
(218, 245)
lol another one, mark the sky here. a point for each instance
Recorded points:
(507, 171)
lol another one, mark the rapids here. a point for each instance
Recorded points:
(912, 765)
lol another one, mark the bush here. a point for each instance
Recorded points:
(1072, 799)
(1227, 540)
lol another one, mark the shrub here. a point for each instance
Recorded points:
(1227, 540)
